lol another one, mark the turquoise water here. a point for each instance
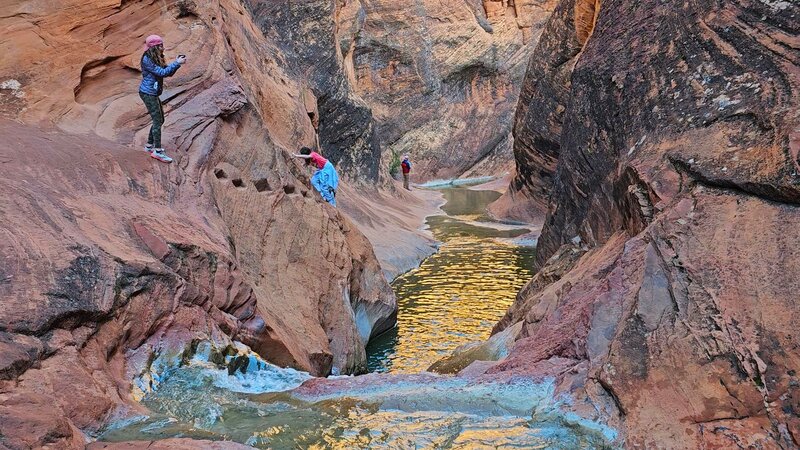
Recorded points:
(202, 400)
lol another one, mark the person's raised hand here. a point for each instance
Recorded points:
(181, 59)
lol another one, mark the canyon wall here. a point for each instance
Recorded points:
(441, 78)
(438, 81)
(112, 262)
(667, 292)
(306, 35)
(539, 115)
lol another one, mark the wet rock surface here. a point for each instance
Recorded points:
(669, 251)
(167, 444)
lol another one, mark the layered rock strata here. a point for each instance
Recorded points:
(540, 113)
(441, 78)
(438, 81)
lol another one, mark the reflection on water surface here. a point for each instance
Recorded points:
(458, 294)
(195, 401)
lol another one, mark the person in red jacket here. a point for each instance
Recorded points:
(406, 165)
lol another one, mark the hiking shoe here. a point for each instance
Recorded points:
(148, 148)
(158, 153)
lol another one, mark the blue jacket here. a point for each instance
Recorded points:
(153, 76)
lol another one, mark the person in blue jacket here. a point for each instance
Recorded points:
(325, 179)
(154, 70)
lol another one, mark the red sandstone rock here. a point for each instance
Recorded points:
(109, 257)
(443, 81)
(669, 254)
(393, 224)
(540, 114)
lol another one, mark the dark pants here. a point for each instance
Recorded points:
(405, 181)
(153, 105)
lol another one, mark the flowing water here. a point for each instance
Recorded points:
(454, 297)
(458, 294)
(251, 405)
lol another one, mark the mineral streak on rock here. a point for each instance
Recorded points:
(669, 252)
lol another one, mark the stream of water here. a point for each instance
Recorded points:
(457, 295)
(454, 297)
(253, 405)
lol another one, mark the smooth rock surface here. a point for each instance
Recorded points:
(111, 259)
(669, 253)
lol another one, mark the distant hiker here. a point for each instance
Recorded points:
(154, 69)
(325, 179)
(406, 165)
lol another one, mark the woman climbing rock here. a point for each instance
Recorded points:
(325, 180)
(154, 70)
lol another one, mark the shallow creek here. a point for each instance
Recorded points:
(454, 297)
(459, 293)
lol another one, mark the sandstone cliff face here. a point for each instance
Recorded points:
(110, 259)
(441, 77)
(540, 114)
(435, 80)
(305, 33)
(669, 253)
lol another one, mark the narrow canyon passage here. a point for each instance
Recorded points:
(218, 302)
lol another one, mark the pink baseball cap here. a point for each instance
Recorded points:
(153, 40)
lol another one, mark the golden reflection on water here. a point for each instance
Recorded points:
(457, 295)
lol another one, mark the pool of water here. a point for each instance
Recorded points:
(458, 294)
(202, 400)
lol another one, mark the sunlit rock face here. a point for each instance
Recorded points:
(109, 258)
(436, 80)
(442, 78)
(669, 252)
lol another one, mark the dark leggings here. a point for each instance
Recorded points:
(153, 104)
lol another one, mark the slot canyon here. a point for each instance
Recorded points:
(599, 247)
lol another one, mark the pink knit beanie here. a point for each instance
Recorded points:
(153, 40)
